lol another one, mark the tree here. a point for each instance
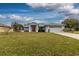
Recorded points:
(70, 23)
(17, 27)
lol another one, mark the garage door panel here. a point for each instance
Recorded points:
(56, 29)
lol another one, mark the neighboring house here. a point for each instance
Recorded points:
(5, 28)
(41, 27)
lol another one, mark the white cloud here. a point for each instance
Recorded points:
(60, 21)
(2, 16)
(52, 5)
(28, 18)
(74, 11)
(37, 5)
(39, 21)
(22, 18)
(17, 17)
(66, 8)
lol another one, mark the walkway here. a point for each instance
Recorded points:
(76, 36)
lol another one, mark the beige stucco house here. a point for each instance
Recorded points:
(4, 28)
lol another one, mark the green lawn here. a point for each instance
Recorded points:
(22, 44)
(76, 32)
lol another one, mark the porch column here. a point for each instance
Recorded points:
(29, 28)
(36, 28)
(46, 29)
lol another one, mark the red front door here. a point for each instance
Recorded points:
(33, 27)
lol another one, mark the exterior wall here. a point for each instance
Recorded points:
(26, 29)
(4, 29)
(54, 29)
(46, 29)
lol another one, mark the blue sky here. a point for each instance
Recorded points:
(37, 12)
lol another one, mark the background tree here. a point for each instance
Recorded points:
(70, 23)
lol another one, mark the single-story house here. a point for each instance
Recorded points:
(35, 27)
(41, 27)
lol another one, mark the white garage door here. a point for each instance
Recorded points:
(55, 30)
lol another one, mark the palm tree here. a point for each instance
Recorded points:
(17, 27)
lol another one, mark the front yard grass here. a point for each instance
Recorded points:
(76, 32)
(37, 44)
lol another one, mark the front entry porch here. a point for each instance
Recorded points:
(33, 27)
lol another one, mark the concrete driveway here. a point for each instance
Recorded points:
(76, 36)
